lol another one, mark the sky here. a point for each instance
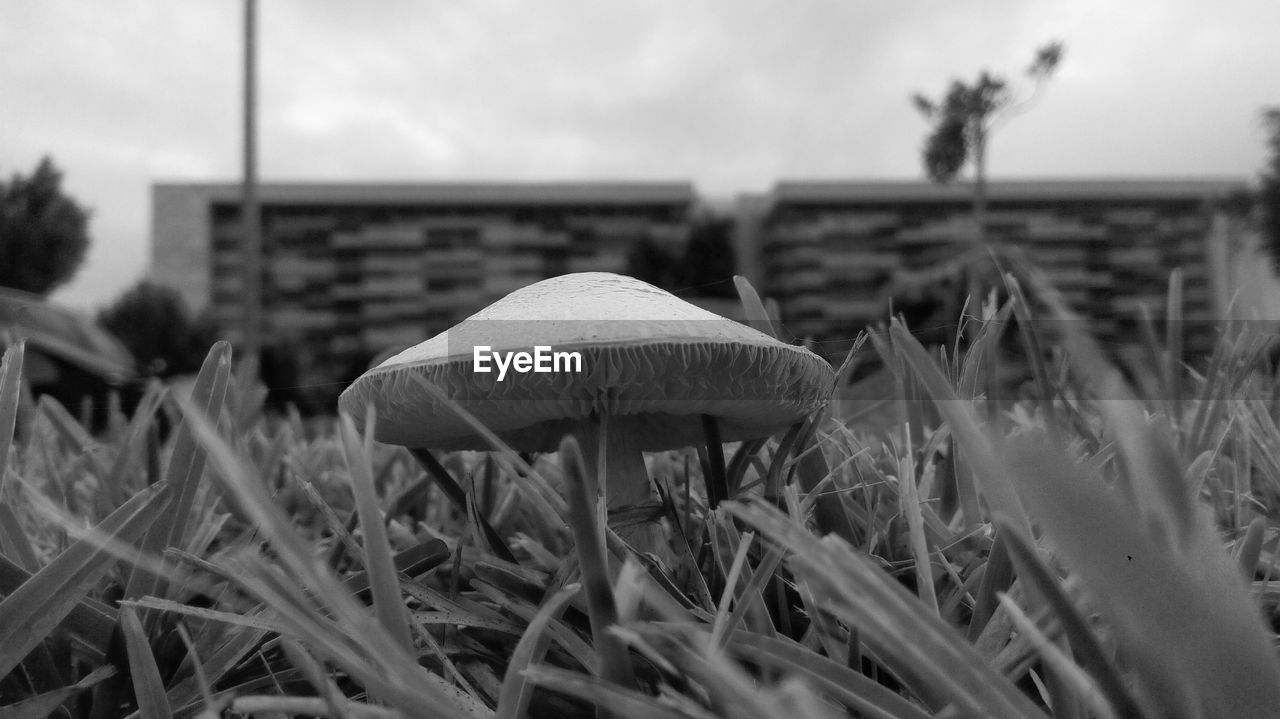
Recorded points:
(732, 95)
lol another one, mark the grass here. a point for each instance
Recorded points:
(1088, 550)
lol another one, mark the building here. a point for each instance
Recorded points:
(832, 253)
(350, 270)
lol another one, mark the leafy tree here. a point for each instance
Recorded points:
(964, 119)
(703, 265)
(155, 324)
(708, 264)
(43, 232)
(651, 262)
(1269, 189)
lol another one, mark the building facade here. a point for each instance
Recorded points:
(834, 253)
(352, 270)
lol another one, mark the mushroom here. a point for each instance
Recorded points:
(649, 367)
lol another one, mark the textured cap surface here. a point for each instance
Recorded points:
(644, 353)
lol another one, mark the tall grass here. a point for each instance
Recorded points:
(1090, 550)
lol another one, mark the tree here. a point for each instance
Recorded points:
(702, 265)
(653, 263)
(155, 324)
(1269, 189)
(964, 119)
(708, 264)
(43, 232)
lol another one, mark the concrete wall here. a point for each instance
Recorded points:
(180, 242)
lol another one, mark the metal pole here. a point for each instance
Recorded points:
(252, 218)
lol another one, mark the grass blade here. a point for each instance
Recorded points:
(1180, 608)
(812, 470)
(71, 431)
(315, 674)
(995, 484)
(1033, 348)
(14, 541)
(188, 459)
(269, 705)
(909, 503)
(588, 536)
(996, 577)
(729, 689)
(721, 623)
(757, 315)
(238, 642)
(415, 560)
(88, 620)
(859, 692)
(1081, 685)
(43, 601)
(342, 633)
(1173, 346)
(1251, 547)
(929, 655)
(455, 492)
(533, 485)
(1153, 472)
(1084, 644)
(135, 435)
(46, 705)
(186, 464)
(517, 690)
(384, 582)
(717, 478)
(621, 702)
(148, 688)
(10, 380)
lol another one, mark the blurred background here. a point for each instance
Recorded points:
(415, 161)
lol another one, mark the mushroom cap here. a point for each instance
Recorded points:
(646, 355)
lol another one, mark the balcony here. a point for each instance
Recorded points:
(390, 264)
(379, 237)
(301, 319)
(411, 286)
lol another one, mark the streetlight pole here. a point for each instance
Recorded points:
(250, 208)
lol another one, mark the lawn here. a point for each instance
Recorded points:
(1092, 547)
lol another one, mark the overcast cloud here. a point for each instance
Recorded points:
(732, 95)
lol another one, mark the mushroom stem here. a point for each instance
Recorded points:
(622, 476)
